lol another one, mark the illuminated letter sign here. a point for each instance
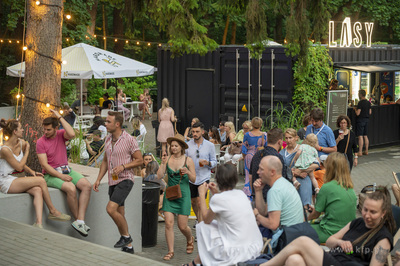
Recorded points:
(346, 36)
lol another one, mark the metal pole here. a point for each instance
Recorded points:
(237, 87)
(81, 98)
(272, 86)
(259, 86)
(248, 94)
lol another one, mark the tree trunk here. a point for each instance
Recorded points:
(42, 83)
(93, 13)
(225, 30)
(233, 37)
(118, 26)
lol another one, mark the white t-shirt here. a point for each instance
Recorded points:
(103, 130)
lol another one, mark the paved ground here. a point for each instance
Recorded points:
(25, 245)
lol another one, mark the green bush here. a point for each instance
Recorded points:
(284, 117)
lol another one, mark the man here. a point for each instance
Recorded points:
(363, 111)
(122, 154)
(284, 205)
(326, 139)
(222, 132)
(77, 104)
(107, 104)
(202, 153)
(52, 154)
(274, 144)
(94, 147)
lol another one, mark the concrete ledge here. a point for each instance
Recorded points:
(19, 207)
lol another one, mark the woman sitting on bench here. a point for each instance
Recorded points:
(17, 177)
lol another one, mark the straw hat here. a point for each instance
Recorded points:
(179, 138)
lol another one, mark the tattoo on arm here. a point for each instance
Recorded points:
(381, 254)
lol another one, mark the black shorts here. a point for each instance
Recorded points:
(194, 192)
(329, 260)
(119, 192)
(362, 127)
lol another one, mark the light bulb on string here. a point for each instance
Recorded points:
(47, 105)
(116, 40)
(126, 41)
(37, 3)
(95, 35)
(61, 111)
(137, 43)
(64, 62)
(67, 39)
(17, 41)
(104, 38)
(68, 16)
(148, 44)
(25, 48)
(6, 137)
(159, 44)
(18, 96)
(9, 41)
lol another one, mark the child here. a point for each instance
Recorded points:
(307, 155)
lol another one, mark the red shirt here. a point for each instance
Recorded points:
(121, 153)
(54, 148)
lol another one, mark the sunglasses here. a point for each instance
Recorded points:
(198, 154)
(147, 154)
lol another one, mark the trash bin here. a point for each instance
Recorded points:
(150, 199)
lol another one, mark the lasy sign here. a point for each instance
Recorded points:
(350, 35)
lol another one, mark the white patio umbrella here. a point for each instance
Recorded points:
(84, 62)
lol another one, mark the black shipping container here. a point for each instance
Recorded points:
(205, 86)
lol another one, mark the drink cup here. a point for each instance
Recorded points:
(114, 176)
(341, 132)
(201, 163)
(181, 172)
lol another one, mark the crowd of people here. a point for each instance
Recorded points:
(291, 176)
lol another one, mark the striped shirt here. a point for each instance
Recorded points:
(121, 153)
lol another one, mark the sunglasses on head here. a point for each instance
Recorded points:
(147, 154)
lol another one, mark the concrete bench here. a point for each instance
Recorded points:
(19, 207)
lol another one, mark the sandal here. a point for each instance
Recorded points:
(190, 264)
(190, 246)
(169, 256)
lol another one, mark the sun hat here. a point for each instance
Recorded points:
(179, 138)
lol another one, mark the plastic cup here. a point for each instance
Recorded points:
(201, 164)
(114, 176)
(341, 132)
(180, 172)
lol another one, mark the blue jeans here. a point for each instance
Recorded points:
(305, 190)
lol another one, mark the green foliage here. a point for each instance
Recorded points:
(133, 87)
(256, 27)
(284, 117)
(77, 145)
(68, 91)
(312, 80)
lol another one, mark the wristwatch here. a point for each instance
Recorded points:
(321, 148)
(209, 164)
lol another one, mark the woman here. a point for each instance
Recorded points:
(251, 142)
(13, 156)
(302, 184)
(238, 139)
(213, 134)
(151, 175)
(346, 140)
(364, 241)
(166, 116)
(146, 101)
(121, 99)
(230, 134)
(179, 169)
(336, 198)
(188, 132)
(139, 130)
(147, 158)
(229, 233)
(98, 124)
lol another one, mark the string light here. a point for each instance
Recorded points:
(137, 43)
(67, 39)
(95, 35)
(30, 48)
(64, 62)
(38, 3)
(116, 40)
(104, 38)
(25, 48)
(126, 41)
(47, 105)
(39, 101)
(6, 137)
(18, 96)
(61, 111)
(9, 41)
(148, 44)
(17, 41)
(1, 40)
(68, 16)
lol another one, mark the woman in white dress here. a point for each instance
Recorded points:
(13, 156)
(229, 233)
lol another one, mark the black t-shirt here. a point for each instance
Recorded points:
(365, 106)
(358, 228)
(96, 146)
(106, 103)
(255, 162)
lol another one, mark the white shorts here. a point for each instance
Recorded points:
(5, 182)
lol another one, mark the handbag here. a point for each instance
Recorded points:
(262, 143)
(235, 148)
(292, 232)
(174, 192)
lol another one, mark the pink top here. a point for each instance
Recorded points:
(55, 149)
(121, 153)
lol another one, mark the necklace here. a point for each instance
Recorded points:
(287, 153)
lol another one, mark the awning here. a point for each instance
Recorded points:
(371, 68)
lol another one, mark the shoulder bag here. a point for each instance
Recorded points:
(174, 192)
(235, 148)
(345, 151)
(262, 142)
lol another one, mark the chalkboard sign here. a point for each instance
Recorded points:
(337, 105)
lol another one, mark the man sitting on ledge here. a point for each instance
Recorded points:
(52, 154)
(284, 205)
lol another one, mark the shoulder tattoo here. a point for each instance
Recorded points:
(381, 254)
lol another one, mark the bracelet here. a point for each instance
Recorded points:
(321, 148)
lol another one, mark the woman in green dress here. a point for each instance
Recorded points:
(178, 169)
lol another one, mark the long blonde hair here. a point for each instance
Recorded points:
(231, 127)
(165, 104)
(136, 124)
(337, 168)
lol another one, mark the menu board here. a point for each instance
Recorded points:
(337, 105)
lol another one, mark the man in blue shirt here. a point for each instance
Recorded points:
(202, 153)
(326, 139)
